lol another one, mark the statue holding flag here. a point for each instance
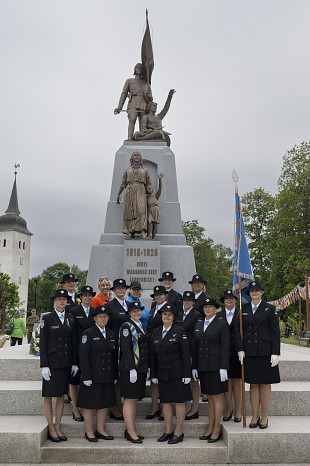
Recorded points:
(138, 89)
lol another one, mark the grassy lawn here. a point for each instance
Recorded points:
(294, 341)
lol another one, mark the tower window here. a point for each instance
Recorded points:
(21, 261)
(4, 243)
(19, 280)
(24, 245)
(19, 244)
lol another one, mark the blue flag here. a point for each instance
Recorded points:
(241, 262)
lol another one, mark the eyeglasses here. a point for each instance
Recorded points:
(103, 279)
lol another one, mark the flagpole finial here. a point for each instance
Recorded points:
(16, 166)
(235, 176)
(146, 14)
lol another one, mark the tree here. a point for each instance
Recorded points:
(213, 261)
(258, 209)
(9, 298)
(42, 287)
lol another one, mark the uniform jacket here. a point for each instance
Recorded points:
(81, 322)
(153, 322)
(200, 298)
(232, 329)
(98, 357)
(173, 298)
(127, 361)
(170, 356)
(261, 331)
(211, 348)
(117, 317)
(189, 323)
(57, 342)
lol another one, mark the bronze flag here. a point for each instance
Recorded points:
(147, 53)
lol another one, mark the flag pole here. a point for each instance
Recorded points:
(236, 179)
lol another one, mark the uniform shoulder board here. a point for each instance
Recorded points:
(84, 339)
(125, 332)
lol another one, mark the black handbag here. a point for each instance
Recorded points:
(9, 328)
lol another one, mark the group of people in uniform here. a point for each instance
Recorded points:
(109, 345)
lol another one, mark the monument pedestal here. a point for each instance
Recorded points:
(117, 254)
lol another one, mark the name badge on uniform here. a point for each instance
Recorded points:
(125, 332)
(54, 326)
(96, 338)
(122, 313)
(184, 337)
(112, 340)
(244, 313)
(172, 339)
(84, 339)
(197, 330)
(79, 317)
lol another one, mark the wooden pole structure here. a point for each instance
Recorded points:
(299, 316)
(242, 365)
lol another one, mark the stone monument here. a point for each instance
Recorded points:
(154, 240)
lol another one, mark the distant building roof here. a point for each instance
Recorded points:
(12, 220)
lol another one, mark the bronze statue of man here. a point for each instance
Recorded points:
(151, 124)
(153, 218)
(139, 94)
(137, 181)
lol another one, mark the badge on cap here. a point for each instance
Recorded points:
(125, 332)
(157, 288)
(207, 300)
(121, 281)
(167, 273)
(71, 276)
(197, 276)
(228, 292)
(87, 288)
(84, 339)
(187, 294)
(62, 291)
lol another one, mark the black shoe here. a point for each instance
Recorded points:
(151, 416)
(252, 425)
(204, 399)
(165, 437)
(141, 437)
(91, 439)
(132, 440)
(213, 440)
(117, 418)
(161, 418)
(67, 400)
(175, 439)
(205, 437)
(227, 418)
(263, 426)
(62, 438)
(53, 439)
(237, 419)
(193, 416)
(78, 418)
(103, 437)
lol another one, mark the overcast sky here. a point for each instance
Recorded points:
(241, 73)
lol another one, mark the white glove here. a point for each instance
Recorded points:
(195, 374)
(46, 373)
(223, 375)
(241, 356)
(74, 370)
(133, 376)
(115, 381)
(274, 360)
(148, 373)
(88, 383)
(154, 381)
(186, 380)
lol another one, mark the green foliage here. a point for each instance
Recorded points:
(42, 287)
(9, 299)
(213, 261)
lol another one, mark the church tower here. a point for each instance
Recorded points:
(15, 242)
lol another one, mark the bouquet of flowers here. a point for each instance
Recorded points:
(35, 342)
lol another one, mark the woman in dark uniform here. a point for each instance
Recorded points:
(230, 315)
(133, 366)
(210, 353)
(57, 359)
(171, 370)
(98, 361)
(260, 350)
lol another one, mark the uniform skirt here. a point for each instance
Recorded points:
(97, 396)
(58, 384)
(258, 370)
(234, 371)
(174, 391)
(210, 383)
(132, 390)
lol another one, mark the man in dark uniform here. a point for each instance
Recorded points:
(188, 319)
(173, 297)
(82, 314)
(118, 310)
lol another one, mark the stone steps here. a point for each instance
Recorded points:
(288, 399)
